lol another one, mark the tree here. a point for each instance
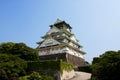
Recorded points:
(11, 67)
(20, 50)
(13, 59)
(6, 47)
(25, 52)
(106, 66)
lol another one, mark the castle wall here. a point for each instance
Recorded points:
(77, 61)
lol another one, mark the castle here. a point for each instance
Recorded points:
(60, 43)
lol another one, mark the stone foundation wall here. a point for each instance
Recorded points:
(76, 61)
(67, 75)
(54, 57)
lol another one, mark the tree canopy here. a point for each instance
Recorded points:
(20, 50)
(13, 59)
(106, 66)
(11, 67)
(36, 76)
(6, 47)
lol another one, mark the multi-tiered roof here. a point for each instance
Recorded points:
(60, 36)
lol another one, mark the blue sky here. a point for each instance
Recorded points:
(96, 23)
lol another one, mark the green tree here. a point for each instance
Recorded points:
(6, 47)
(13, 59)
(11, 67)
(20, 50)
(106, 66)
(25, 52)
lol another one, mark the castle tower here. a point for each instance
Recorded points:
(60, 43)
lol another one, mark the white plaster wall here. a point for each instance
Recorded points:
(63, 34)
(67, 50)
(51, 51)
(63, 50)
(68, 29)
(54, 29)
(71, 44)
(73, 38)
(49, 42)
(72, 52)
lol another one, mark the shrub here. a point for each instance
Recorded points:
(11, 67)
(85, 69)
(49, 65)
(36, 76)
(106, 66)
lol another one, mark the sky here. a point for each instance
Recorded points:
(95, 23)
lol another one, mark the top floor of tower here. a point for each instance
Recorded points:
(61, 25)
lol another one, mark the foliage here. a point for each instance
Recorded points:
(24, 52)
(46, 77)
(6, 47)
(13, 57)
(11, 67)
(16, 58)
(65, 66)
(85, 69)
(20, 50)
(43, 65)
(46, 65)
(36, 76)
(107, 66)
(23, 78)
